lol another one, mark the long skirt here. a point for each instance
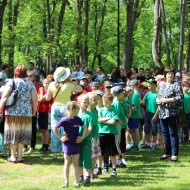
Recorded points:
(18, 130)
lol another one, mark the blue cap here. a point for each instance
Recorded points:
(117, 90)
(100, 93)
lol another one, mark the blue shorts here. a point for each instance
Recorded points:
(133, 123)
(71, 149)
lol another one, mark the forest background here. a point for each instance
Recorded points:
(122, 33)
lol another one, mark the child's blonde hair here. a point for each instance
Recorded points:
(82, 96)
(73, 105)
(92, 94)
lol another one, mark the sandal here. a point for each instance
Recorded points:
(20, 161)
(164, 157)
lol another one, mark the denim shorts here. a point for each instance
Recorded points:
(57, 112)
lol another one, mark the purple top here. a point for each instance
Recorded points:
(71, 128)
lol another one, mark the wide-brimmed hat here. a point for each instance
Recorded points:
(61, 74)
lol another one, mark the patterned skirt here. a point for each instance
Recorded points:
(18, 130)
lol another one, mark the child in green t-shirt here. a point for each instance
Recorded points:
(86, 146)
(107, 118)
(134, 120)
(150, 101)
(122, 110)
(186, 105)
(96, 151)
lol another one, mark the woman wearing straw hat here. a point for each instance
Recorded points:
(60, 91)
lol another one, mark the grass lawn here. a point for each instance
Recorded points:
(144, 172)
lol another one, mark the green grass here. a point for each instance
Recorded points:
(144, 172)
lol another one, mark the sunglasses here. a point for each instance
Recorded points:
(30, 75)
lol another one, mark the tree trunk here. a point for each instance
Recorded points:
(79, 42)
(188, 45)
(165, 33)
(2, 10)
(97, 34)
(183, 4)
(133, 10)
(13, 15)
(86, 23)
(156, 50)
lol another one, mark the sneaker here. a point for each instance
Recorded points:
(98, 171)
(65, 185)
(153, 147)
(87, 183)
(129, 146)
(81, 179)
(134, 149)
(105, 170)
(113, 173)
(118, 162)
(144, 146)
(124, 161)
(77, 185)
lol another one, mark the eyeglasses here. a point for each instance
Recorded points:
(30, 75)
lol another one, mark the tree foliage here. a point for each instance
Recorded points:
(48, 31)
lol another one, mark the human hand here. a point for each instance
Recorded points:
(64, 138)
(79, 140)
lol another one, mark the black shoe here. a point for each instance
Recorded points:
(87, 183)
(113, 173)
(164, 157)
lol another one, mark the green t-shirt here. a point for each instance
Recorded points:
(88, 121)
(186, 102)
(106, 128)
(135, 101)
(121, 111)
(94, 114)
(150, 100)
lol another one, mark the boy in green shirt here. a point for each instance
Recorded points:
(96, 151)
(86, 145)
(122, 111)
(150, 101)
(107, 118)
(134, 120)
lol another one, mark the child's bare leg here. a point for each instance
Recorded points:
(67, 160)
(75, 159)
(94, 159)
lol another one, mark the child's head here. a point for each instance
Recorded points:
(83, 101)
(128, 91)
(151, 84)
(186, 86)
(107, 99)
(72, 108)
(93, 99)
(118, 92)
(99, 97)
(46, 82)
(95, 86)
(84, 81)
(134, 84)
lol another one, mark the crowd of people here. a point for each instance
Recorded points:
(94, 117)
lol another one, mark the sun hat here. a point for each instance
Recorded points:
(61, 74)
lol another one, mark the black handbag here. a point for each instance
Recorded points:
(11, 100)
